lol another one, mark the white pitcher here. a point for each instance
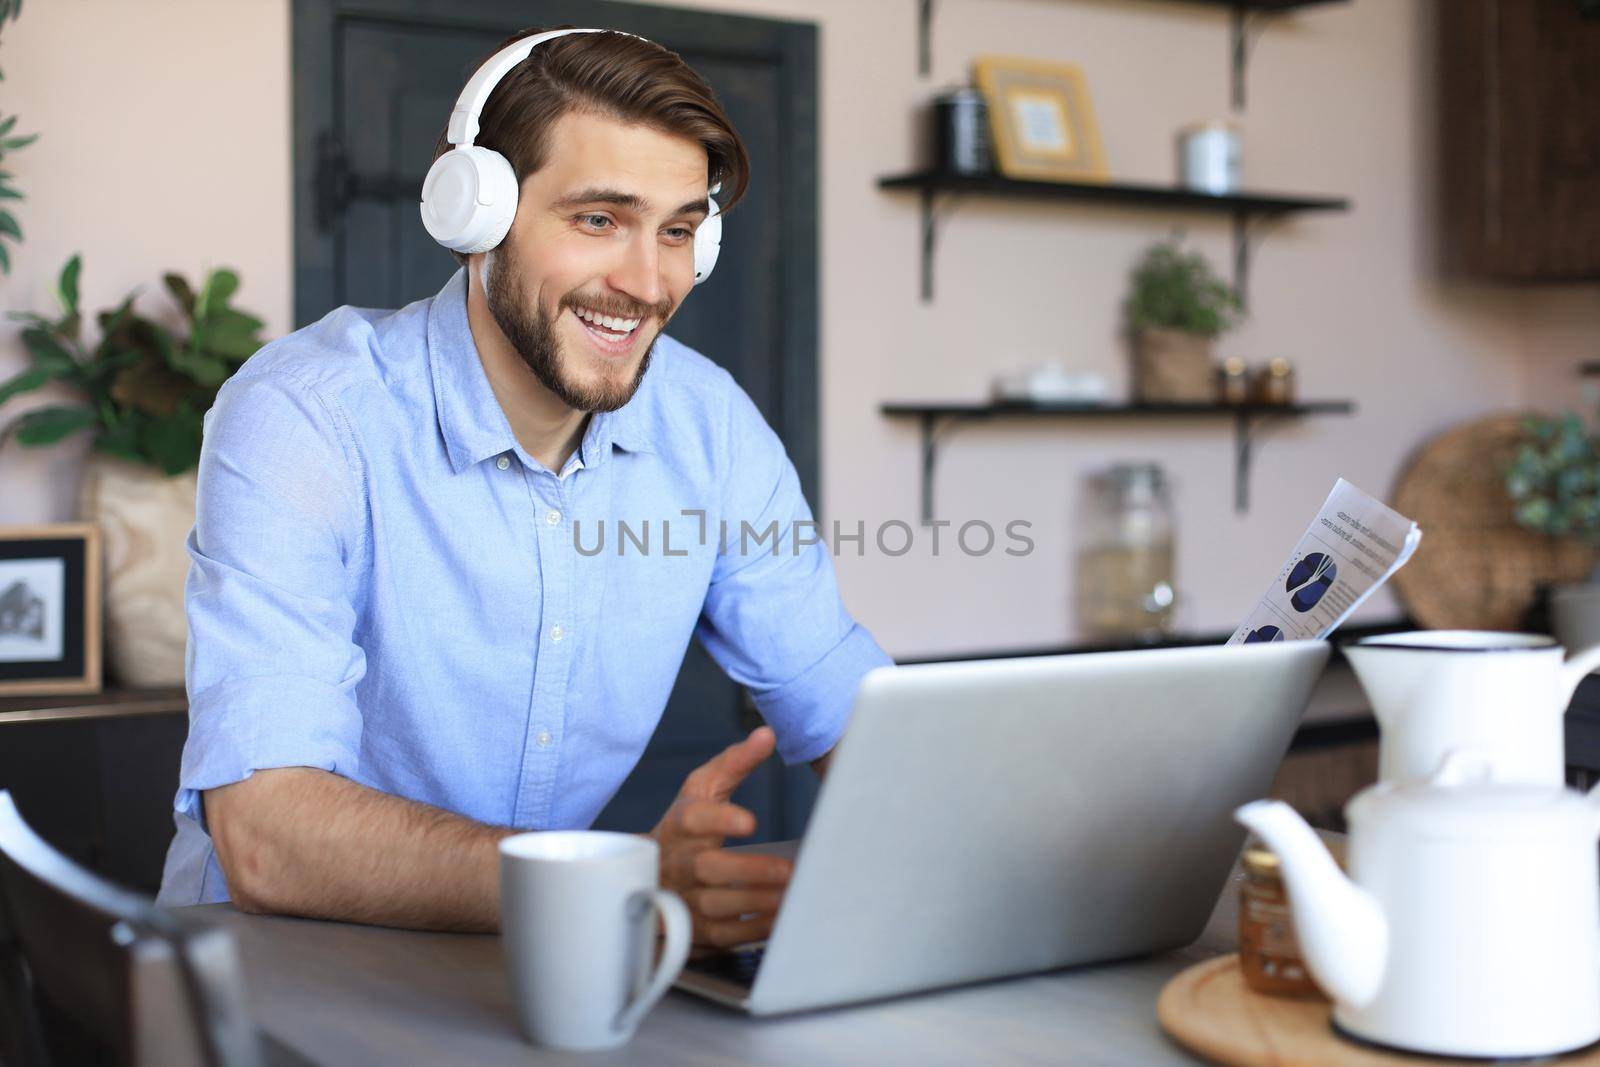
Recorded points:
(1502, 695)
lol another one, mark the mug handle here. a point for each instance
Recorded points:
(1576, 669)
(675, 916)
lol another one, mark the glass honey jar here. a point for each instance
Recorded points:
(1269, 954)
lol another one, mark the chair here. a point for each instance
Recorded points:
(91, 972)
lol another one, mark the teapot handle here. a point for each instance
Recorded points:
(1577, 667)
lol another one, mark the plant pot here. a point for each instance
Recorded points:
(1170, 366)
(144, 518)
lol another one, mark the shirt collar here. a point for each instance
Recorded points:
(470, 417)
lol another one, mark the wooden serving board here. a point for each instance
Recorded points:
(1210, 1011)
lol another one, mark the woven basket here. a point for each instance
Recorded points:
(1476, 569)
(1170, 366)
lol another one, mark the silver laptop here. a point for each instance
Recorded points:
(1002, 817)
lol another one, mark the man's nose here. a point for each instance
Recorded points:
(638, 272)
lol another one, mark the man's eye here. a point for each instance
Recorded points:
(679, 233)
(599, 222)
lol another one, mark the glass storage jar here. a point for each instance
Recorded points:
(1125, 586)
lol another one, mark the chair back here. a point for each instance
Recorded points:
(94, 959)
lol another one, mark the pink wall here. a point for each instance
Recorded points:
(1340, 102)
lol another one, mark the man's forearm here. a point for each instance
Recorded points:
(301, 841)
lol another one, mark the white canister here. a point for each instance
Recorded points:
(1210, 158)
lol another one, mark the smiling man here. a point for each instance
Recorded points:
(400, 648)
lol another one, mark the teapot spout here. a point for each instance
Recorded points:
(1341, 927)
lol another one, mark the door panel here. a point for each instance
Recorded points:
(374, 85)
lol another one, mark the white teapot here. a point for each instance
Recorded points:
(1470, 922)
(1502, 695)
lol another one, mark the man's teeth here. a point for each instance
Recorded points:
(608, 322)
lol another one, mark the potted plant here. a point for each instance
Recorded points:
(1554, 484)
(1177, 307)
(141, 391)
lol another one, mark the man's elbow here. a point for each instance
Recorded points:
(236, 816)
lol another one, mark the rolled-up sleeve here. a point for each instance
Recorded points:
(271, 656)
(773, 618)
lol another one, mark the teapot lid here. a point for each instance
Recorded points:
(1461, 799)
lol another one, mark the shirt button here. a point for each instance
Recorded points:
(557, 633)
(502, 463)
(543, 739)
(552, 516)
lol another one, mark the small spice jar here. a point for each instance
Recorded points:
(1269, 955)
(1274, 383)
(1233, 381)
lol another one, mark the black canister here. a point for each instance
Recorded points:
(961, 132)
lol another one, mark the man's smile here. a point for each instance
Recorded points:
(610, 334)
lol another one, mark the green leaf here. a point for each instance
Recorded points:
(173, 444)
(5, 127)
(233, 319)
(26, 382)
(178, 286)
(46, 426)
(236, 345)
(13, 143)
(5, 259)
(67, 287)
(47, 351)
(8, 193)
(218, 286)
(8, 225)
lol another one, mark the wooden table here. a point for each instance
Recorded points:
(356, 995)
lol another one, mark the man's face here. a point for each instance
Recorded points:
(604, 230)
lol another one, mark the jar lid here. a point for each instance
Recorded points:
(1208, 125)
(1260, 862)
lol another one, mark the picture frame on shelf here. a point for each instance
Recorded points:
(50, 609)
(1041, 119)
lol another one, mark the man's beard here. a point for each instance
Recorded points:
(533, 334)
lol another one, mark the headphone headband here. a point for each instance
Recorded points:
(470, 104)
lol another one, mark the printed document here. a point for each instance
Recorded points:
(1350, 549)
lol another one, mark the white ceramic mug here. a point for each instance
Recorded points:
(577, 915)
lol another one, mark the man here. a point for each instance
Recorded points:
(403, 642)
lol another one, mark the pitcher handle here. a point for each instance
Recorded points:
(1576, 669)
(674, 954)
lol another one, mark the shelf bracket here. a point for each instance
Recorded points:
(924, 37)
(1240, 26)
(1242, 237)
(930, 239)
(931, 431)
(1246, 425)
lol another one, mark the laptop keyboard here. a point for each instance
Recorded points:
(738, 967)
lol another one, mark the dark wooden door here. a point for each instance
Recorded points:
(375, 81)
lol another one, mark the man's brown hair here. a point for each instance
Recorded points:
(610, 74)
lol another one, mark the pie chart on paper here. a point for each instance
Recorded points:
(1309, 580)
(1263, 635)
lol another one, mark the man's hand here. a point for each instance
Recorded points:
(733, 896)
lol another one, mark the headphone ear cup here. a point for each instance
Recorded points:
(707, 243)
(469, 199)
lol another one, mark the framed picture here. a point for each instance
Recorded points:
(1040, 119)
(49, 609)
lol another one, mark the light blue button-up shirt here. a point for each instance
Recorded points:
(386, 585)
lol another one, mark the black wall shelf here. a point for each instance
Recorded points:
(937, 419)
(1241, 13)
(1247, 209)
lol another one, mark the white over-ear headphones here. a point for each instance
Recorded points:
(470, 194)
